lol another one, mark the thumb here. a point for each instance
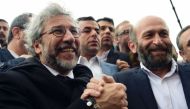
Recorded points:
(108, 79)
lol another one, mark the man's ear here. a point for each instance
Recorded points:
(37, 47)
(132, 46)
(16, 32)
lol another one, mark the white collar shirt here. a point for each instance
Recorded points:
(168, 91)
(93, 64)
(13, 54)
(55, 73)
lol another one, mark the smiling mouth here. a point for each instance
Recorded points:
(68, 50)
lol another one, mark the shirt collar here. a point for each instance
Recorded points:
(55, 73)
(82, 59)
(13, 54)
(173, 69)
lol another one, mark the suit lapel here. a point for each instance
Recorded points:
(184, 72)
(145, 90)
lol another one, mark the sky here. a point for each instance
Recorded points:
(119, 10)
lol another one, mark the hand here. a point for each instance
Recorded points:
(122, 65)
(107, 93)
(113, 95)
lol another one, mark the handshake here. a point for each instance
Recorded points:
(105, 94)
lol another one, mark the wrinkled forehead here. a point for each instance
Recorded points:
(105, 23)
(88, 23)
(150, 23)
(60, 20)
(3, 24)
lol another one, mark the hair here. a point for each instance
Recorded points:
(38, 23)
(179, 45)
(132, 35)
(122, 23)
(85, 18)
(20, 21)
(3, 20)
(107, 19)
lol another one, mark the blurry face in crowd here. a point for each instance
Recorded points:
(154, 45)
(3, 31)
(185, 42)
(89, 37)
(123, 35)
(106, 33)
(59, 44)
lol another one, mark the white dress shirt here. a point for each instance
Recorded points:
(13, 54)
(93, 64)
(168, 91)
(55, 73)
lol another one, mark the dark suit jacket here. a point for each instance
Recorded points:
(30, 85)
(139, 92)
(5, 55)
(114, 55)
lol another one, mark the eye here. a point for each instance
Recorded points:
(58, 32)
(111, 29)
(74, 30)
(86, 30)
(97, 31)
(148, 35)
(164, 34)
(103, 28)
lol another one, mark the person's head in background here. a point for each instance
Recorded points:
(4, 27)
(106, 33)
(16, 37)
(183, 43)
(122, 36)
(89, 36)
(151, 41)
(53, 38)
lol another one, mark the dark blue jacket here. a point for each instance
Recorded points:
(30, 85)
(139, 92)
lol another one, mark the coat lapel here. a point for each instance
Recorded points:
(145, 90)
(184, 72)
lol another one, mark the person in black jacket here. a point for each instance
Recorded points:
(51, 79)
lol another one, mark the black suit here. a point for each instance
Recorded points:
(139, 92)
(114, 55)
(5, 55)
(31, 86)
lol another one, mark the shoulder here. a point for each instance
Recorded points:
(128, 74)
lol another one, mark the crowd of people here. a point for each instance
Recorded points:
(54, 61)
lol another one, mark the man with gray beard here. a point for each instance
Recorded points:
(51, 79)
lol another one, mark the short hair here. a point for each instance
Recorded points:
(120, 24)
(132, 35)
(107, 19)
(179, 45)
(3, 20)
(37, 25)
(20, 21)
(85, 18)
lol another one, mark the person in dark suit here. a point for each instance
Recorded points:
(4, 27)
(15, 47)
(107, 51)
(51, 79)
(159, 83)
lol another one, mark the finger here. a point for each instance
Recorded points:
(108, 79)
(94, 86)
(99, 82)
(90, 92)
